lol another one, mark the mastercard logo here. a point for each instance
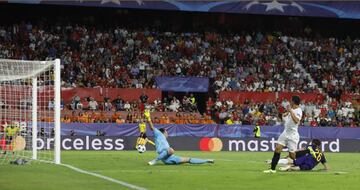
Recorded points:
(210, 144)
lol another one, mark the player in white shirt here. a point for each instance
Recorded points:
(290, 136)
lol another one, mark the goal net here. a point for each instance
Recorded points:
(29, 110)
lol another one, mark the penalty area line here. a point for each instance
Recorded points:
(131, 186)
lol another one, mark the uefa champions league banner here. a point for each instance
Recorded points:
(335, 9)
(116, 143)
(183, 84)
(209, 130)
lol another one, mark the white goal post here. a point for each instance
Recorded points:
(30, 98)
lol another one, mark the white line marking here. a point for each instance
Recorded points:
(104, 177)
(340, 172)
(138, 171)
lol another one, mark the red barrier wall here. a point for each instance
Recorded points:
(134, 94)
(307, 97)
(264, 96)
(242, 96)
(112, 93)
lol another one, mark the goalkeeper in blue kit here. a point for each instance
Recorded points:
(165, 152)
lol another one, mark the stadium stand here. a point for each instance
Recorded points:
(129, 57)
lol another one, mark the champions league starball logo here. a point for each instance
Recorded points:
(274, 5)
(118, 2)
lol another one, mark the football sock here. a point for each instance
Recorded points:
(197, 161)
(275, 160)
(151, 142)
(137, 141)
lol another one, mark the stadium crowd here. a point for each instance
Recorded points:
(333, 63)
(254, 61)
(124, 58)
(318, 113)
(119, 57)
(327, 113)
(167, 104)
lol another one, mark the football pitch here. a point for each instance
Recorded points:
(232, 170)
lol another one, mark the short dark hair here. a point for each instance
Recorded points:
(296, 100)
(316, 142)
(162, 130)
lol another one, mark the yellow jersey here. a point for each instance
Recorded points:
(142, 127)
(229, 122)
(11, 131)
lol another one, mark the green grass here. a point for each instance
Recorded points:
(232, 170)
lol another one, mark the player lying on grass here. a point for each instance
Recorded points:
(306, 159)
(142, 139)
(165, 152)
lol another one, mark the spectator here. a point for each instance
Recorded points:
(93, 105)
(62, 104)
(174, 104)
(129, 118)
(143, 97)
(51, 105)
(65, 119)
(127, 106)
(75, 101)
(229, 121)
(192, 105)
(107, 105)
(209, 103)
(118, 102)
(119, 120)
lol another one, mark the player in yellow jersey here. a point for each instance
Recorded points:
(10, 132)
(142, 139)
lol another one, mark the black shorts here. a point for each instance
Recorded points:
(143, 135)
